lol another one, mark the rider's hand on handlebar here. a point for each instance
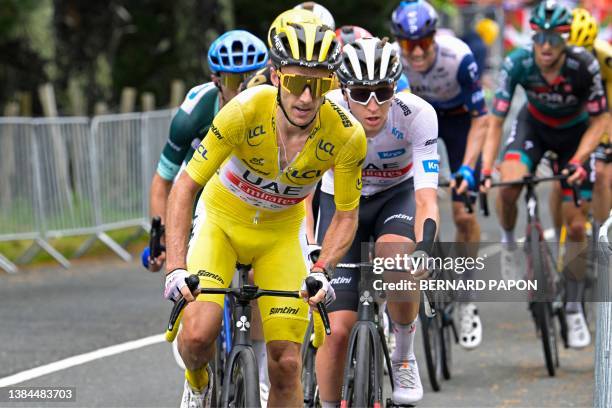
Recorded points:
(575, 172)
(485, 180)
(176, 286)
(325, 294)
(155, 264)
(466, 175)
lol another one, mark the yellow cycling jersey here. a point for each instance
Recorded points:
(250, 184)
(603, 51)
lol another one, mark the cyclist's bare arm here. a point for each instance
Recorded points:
(310, 220)
(339, 236)
(160, 190)
(178, 223)
(597, 127)
(475, 140)
(492, 141)
(426, 207)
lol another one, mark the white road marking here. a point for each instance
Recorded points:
(80, 359)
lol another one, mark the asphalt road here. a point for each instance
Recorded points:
(49, 314)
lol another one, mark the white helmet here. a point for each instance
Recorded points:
(321, 12)
(369, 62)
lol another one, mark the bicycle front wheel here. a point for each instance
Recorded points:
(243, 381)
(542, 307)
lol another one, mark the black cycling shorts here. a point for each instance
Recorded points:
(530, 139)
(388, 212)
(454, 129)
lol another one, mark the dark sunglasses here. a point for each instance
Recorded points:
(554, 38)
(363, 95)
(408, 45)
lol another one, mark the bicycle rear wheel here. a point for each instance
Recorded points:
(242, 385)
(432, 345)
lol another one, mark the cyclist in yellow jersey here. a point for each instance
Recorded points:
(264, 153)
(584, 34)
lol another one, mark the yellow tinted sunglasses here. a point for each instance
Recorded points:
(232, 80)
(295, 84)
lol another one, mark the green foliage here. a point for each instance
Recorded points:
(104, 46)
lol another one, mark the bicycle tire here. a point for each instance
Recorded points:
(363, 367)
(446, 331)
(243, 387)
(309, 377)
(543, 309)
(430, 328)
(549, 337)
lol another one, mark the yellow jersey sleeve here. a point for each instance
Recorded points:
(226, 132)
(347, 171)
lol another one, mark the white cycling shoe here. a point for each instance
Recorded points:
(408, 388)
(195, 399)
(470, 332)
(578, 335)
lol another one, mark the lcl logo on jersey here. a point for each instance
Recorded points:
(324, 150)
(295, 175)
(202, 151)
(254, 133)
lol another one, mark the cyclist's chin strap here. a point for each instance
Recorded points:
(278, 100)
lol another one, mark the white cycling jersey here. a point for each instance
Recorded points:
(405, 147)
(453, 81)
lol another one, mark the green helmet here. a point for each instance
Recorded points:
(550, 15)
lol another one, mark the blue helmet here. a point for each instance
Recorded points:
(414, 20)
(237, 51)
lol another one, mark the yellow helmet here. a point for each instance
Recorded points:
(291, 16)
(488, 30)
(307, 44)
(584, 28)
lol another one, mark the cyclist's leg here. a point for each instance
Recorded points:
(211, 257)
(522, 153)
(331, 356)
(554, 206)
(395, 236)
(279, 263)
(576, 251)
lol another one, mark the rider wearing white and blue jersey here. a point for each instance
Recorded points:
(398, 193)
(442, 70)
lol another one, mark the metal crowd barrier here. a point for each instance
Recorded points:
(72, 176)
(603, 341)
